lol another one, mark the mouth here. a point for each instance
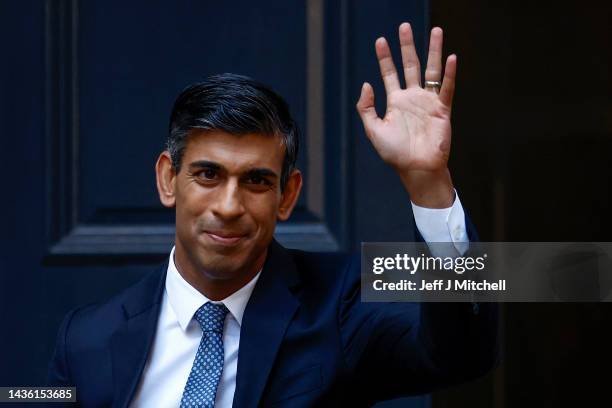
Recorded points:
(225, 238)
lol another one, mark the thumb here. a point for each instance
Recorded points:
(366, 109)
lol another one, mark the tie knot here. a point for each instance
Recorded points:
(211, 316)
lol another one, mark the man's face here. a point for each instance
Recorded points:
(227, 196)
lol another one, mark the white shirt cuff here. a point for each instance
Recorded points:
(443, 224)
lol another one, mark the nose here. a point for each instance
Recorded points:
(228, 202)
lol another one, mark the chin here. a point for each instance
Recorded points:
(221, 267)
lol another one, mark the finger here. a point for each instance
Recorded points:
(387, 68)
(366, 109)
(433, 72)
(410, 59)
(448, 84)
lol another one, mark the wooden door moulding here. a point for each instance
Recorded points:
(68, 235)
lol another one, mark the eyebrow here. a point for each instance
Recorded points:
(205, 164)
(262, 172)
(256, 171)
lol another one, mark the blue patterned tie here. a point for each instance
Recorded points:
(201, 386)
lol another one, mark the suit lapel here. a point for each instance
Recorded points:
(265, 320)
(131, 342)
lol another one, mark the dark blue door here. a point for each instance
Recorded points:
(87, 88)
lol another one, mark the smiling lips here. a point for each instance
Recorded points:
(225, 238)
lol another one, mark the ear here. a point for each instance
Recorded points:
(290, 196)
(166, 179)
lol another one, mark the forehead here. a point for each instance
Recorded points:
(235, 152)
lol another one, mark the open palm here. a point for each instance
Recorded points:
(415, 132)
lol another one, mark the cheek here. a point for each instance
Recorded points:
(263, 210)
(190, 205)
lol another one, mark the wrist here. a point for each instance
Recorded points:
(430, 189)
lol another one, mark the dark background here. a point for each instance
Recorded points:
(532, 140)
(86, 91)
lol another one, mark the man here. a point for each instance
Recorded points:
(233, 317)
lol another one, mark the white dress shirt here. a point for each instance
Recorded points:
(443, 225)
(178, 335)
(176, 343)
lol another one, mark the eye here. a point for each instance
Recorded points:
(255, 179)
(207, 174)
(257, 182)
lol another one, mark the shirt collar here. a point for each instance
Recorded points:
(185, 300)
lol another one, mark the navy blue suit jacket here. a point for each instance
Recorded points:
(306, 340)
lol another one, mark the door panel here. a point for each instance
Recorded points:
(87, 89)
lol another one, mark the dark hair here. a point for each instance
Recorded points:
(235, 104)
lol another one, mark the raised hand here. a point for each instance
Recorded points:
(414, 136)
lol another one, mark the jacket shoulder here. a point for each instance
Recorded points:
(96, 322)
(323, 271)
